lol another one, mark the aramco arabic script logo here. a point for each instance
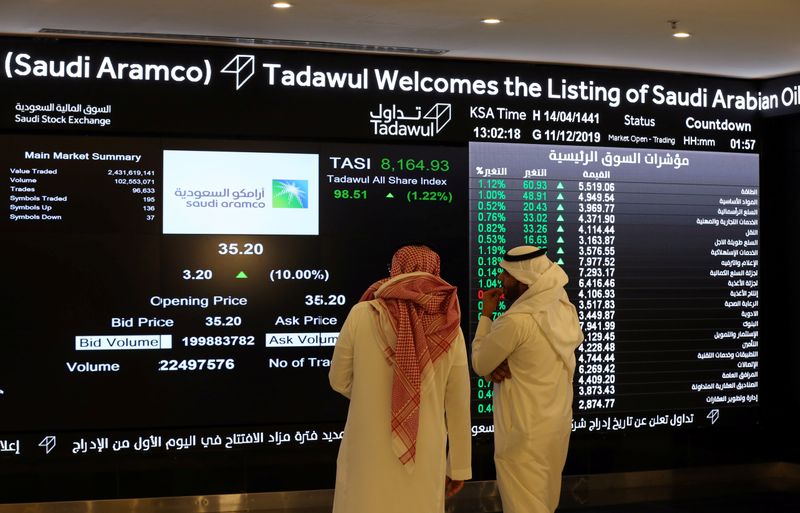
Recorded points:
(391, 120)
(243, 66)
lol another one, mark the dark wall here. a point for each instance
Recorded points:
(780, 222)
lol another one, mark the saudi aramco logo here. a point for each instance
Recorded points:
(289, 193)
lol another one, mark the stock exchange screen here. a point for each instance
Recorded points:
(175, 278)
(662, 252)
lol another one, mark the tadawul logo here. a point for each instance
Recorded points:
(243, 67)
(410, 122)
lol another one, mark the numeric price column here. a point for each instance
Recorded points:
(596, 302)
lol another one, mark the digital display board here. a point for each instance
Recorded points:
(662, 251)
(188, 226)
(208, 278)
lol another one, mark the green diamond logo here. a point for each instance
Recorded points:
(289, 193)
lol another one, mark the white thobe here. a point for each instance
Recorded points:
(533, 408)
(369, 476)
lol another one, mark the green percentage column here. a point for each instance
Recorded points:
(491, 235)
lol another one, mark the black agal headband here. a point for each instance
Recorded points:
(525, 256)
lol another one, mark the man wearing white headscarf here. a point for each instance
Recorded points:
(401, 359)
(529, 352)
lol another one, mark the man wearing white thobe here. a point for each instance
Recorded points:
(380, 469)
(529, 353)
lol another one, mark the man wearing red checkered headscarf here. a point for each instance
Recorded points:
(401, 360)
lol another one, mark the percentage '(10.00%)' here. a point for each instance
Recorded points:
(299, 274)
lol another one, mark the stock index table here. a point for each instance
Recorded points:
(662, 252)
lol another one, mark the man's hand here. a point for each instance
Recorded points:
(500, 374)
(491, 298)
(452, 486)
